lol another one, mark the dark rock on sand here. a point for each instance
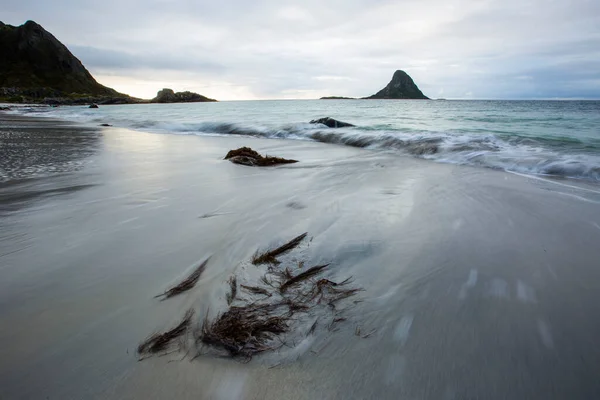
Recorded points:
(105, 125)
(35, 67)
(400, 87)
(330, 122)
(247, 156)
(169, 96)
(93, 105)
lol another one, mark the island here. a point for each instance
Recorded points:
(338, 98)
(169, 96)
(401, 86)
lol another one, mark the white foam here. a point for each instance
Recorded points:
(498, 288)
(545, 334)
(470, 283)
(525, 293)
(402, 330)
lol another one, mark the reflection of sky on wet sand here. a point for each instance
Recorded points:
(38, 157)
(29, 150)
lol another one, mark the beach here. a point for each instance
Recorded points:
(478, 283)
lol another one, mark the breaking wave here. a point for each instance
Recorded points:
(564, 156)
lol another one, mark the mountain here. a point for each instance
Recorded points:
(35, 66)
(400, 87)
(169, 96)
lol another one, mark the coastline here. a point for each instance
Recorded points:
(470, 274)
(482, 134)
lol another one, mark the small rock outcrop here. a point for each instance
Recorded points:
(169, 96)
(331, 123)
(400, 87)
(337, 98)
(94, 105)
(251, 158)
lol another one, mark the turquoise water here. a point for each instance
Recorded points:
(560, 138)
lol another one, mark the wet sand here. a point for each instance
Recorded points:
(479, 283)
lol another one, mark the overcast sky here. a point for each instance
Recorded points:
(271, 49)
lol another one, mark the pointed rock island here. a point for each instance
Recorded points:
(400, 87)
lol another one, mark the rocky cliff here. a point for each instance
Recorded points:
(37, 67)
(400, 87)
(169, 96)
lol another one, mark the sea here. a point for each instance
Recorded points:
(546, 138)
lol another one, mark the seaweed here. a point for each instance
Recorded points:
(302, 276)
(244, 331)
(187, 284)
(257, 324)
(233, 287)
(247, 156)
(269, 256)
(256, 290)
(160, 341)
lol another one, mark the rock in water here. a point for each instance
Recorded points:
(93, 106)
(169, 96)
(400, 87)
(251, 158)
(330, 122)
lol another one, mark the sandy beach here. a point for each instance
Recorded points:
(477, 283)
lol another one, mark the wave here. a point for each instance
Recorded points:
(558, 155)
(540, 156)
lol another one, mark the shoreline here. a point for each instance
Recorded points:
(577, 182)
(467, 272)
(575, 167)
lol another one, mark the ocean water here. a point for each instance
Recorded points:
(551, 138)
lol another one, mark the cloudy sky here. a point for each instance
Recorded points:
(271, 49)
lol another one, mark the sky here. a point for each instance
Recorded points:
(278, 49)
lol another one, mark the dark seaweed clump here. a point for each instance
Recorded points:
(258, 325)
(247, 156)
(259, 320)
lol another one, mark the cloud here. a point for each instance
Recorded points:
(120, 60)
(285, 49)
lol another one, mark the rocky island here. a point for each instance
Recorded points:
(400, 87)
(169, 96)
(337, 98)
